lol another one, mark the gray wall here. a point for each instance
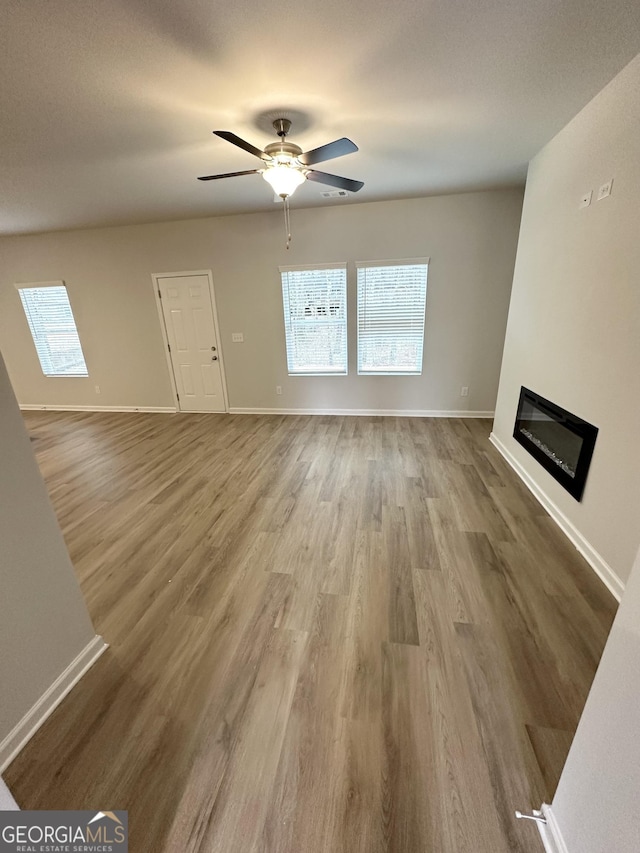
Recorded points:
(596, 803)
(471, 239)
(44, 624)
(573, 333)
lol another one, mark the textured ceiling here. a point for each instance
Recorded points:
(107, 106)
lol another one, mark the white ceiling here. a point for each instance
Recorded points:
(107, 106)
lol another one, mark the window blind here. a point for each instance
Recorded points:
(53, 330)
(315, 319)
(391, 313)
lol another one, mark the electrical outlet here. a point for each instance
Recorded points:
(278, 389)
(237, 337)
(97, 389)
(585, 201)
(464, 391)
(605, 190)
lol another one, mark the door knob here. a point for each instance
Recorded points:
(214, 358)
(213, 349)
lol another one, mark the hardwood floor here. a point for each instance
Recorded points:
(328, 635)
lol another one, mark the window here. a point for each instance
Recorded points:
(315, 319)
(391, 307)
(53, 328)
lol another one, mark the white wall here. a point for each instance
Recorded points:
(7, 803)
(44, 624)
(596, 803)
(573, 333)
(471, 239)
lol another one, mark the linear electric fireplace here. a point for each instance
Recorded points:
(561, 442)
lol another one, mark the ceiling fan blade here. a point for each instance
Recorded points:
(229, 175)
(334, 181)
(338, 148)
(241, 143)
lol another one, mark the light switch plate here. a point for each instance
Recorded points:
(237, 337)
(605, 190)
(585, 201)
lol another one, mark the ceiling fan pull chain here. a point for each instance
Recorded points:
(287, 220)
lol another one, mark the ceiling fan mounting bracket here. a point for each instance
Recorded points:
(282, 126)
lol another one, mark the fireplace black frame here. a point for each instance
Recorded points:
(586, 431)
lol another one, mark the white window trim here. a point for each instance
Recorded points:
(37, 285)
(397, 262)
(32, 285)
(343, 265)
(303, 267)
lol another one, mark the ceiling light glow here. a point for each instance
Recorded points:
(285, 178)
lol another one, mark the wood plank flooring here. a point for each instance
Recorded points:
(328, 635)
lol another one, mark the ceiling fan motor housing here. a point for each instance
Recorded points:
(283, 147)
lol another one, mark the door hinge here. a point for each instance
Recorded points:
(178, 396)
(169, 347)
(159, 294)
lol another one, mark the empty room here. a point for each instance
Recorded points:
(319, 393)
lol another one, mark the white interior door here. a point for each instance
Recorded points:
(193, 346)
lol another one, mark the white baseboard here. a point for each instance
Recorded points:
(49, 701)
(390, 413)
(600, 566)
(33, 407)
(550, 832)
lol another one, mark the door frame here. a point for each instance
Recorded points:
(155, 280)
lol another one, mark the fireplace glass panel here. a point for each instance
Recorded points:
(560, 444)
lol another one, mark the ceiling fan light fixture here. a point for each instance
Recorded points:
(287, 165)
(284, 178)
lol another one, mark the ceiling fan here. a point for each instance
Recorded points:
(286, 166)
